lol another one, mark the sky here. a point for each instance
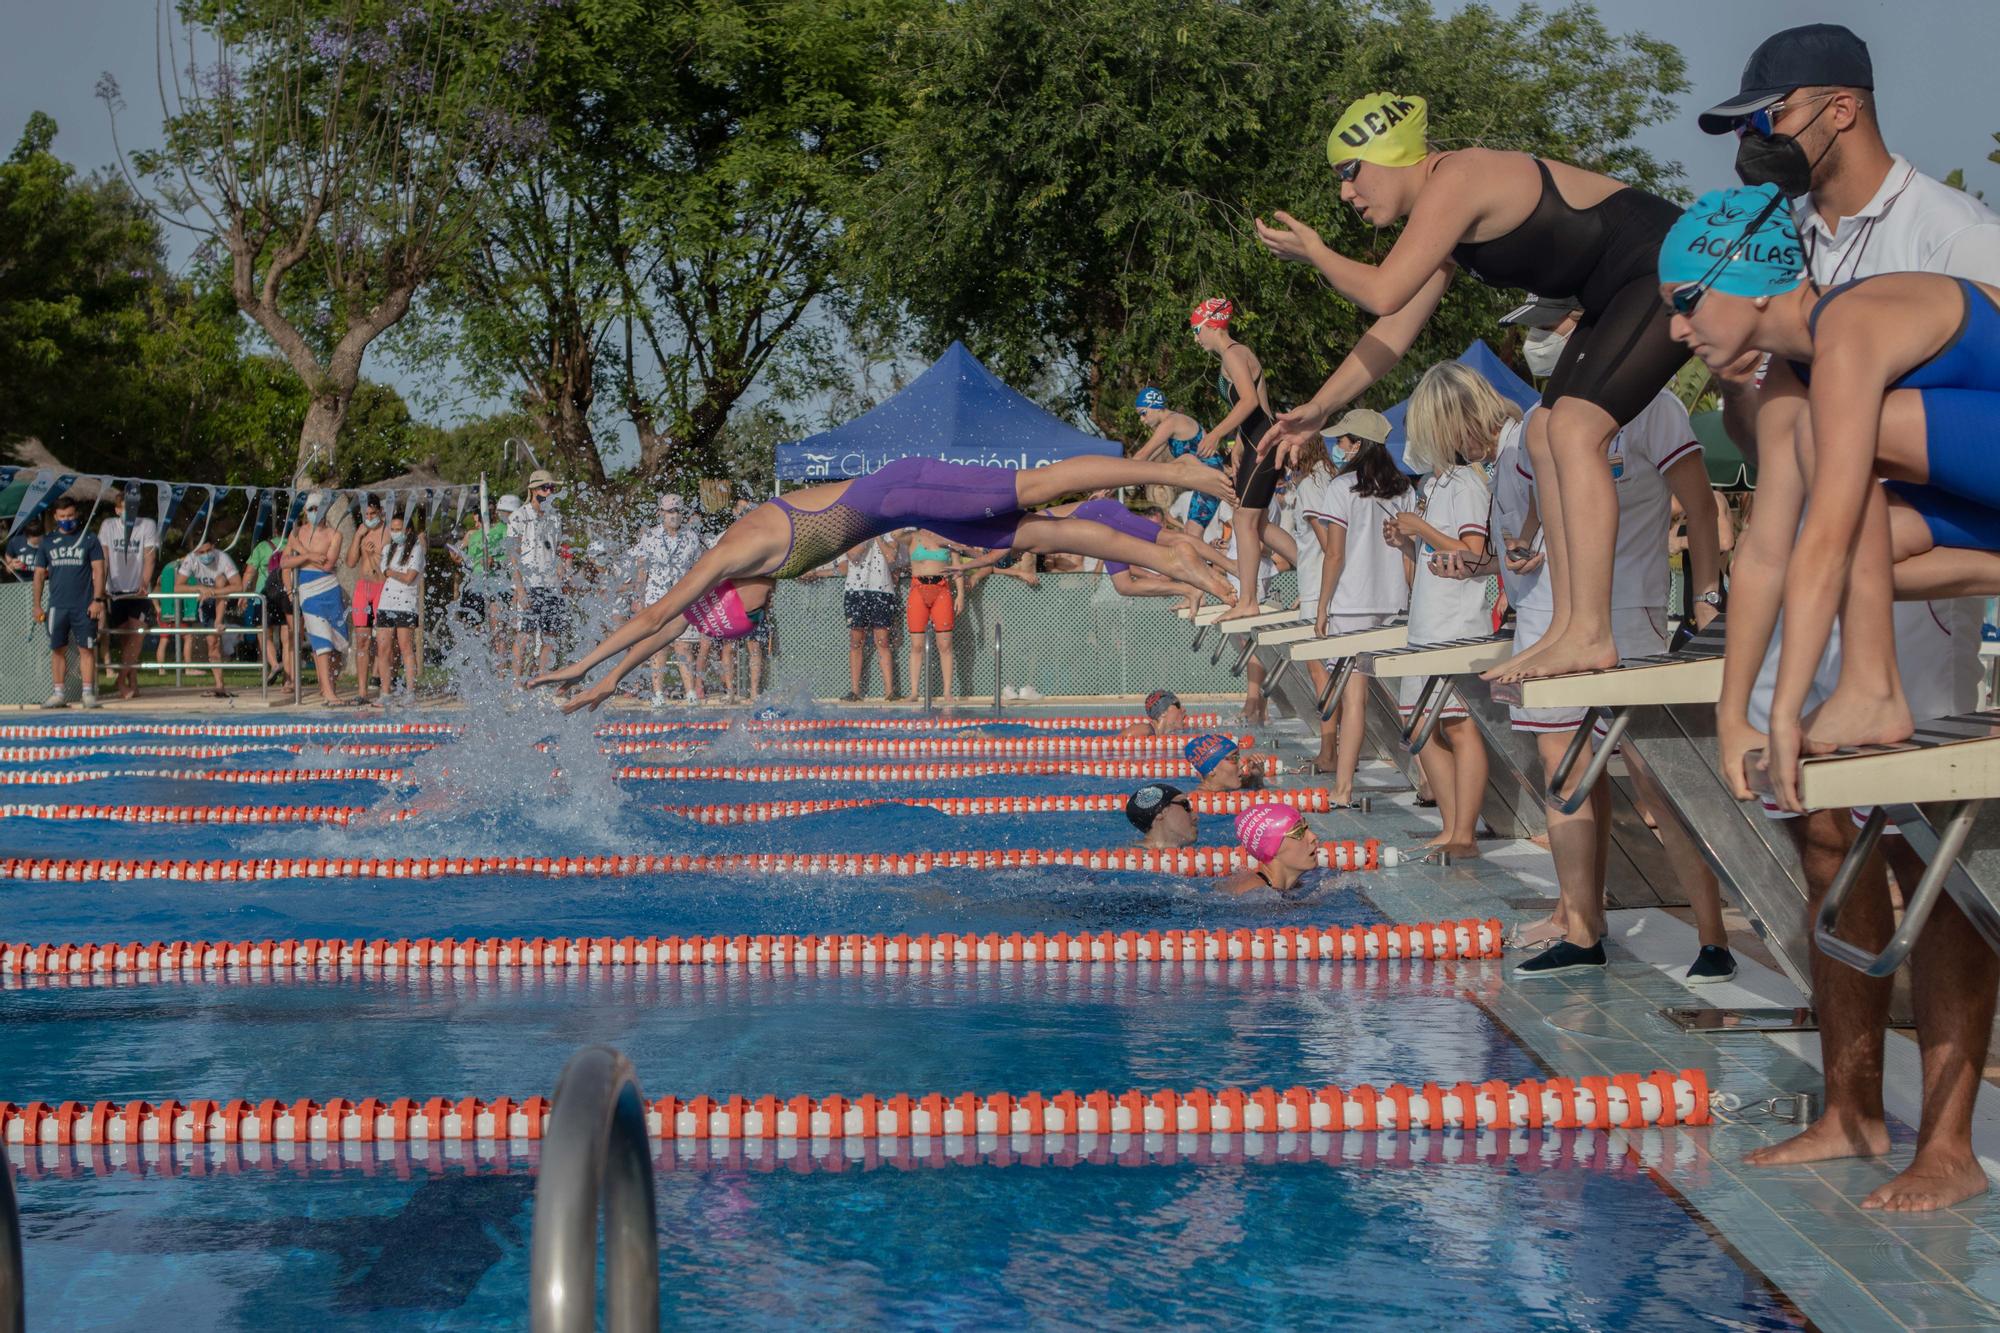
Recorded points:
(1933, 68)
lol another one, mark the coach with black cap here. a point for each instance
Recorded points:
(1805, 120)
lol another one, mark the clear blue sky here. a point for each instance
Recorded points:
(1933, 61)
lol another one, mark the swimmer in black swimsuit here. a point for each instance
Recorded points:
(1257, 472)
(1512, 220)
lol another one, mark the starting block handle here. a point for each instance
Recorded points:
(1594, 771)
(1429, 712)
(1249, 647)
(1916, 912)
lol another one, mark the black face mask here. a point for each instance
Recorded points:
(1779, 160)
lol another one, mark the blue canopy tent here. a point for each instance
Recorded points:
(1497, 372)
(956, 411)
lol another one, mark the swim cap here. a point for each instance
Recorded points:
(1159, 701)
(1145, 805)
(719, 613)
(1381, 128)
(1262, 829)
(1150, 398)
(1215, 312)
(1720, 224)
(1205, 752)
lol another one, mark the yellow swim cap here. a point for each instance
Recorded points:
(1381, 128)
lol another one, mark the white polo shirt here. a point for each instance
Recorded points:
(1456, 503)
(1372, 580)
(1914, 224)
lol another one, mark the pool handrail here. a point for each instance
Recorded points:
(596, 1155)
(13, 1309)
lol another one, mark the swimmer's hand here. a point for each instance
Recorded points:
(1209, 444)
(1289, 239)
(1735, 738)
(568, 675)
(591, 697)
(1291, 431)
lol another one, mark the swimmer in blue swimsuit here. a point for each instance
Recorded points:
(724, 594)
(1180, 435)
(1893, 378)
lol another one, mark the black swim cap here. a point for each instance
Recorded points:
(1144, 806)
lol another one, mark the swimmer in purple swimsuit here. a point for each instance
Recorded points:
(1138, 582)
(725, 593)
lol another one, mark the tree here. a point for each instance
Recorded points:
(1075, 178)
(333, 154)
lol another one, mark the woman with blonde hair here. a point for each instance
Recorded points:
(1454, 425)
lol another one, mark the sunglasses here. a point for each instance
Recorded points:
(544, 490)
(1763, 121)
(1348, 170)
(1686, 298)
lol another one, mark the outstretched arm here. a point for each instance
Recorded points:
(1441, 219)
(640, 652)
(716, 564)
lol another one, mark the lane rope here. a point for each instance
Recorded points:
(310, 727)
(266, 777)
(1196, 862)
(936, 747)
(1616, 1101)
(1616, 1151)
(1164, 766)
(1428, 941)
(1309, 800)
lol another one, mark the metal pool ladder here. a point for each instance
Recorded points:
(596, 1153)
(12, 1309)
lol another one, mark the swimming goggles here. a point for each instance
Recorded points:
(1348, 170)
(1685, 299)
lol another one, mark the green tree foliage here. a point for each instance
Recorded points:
(1072, 179)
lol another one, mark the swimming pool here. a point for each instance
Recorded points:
(1565, 1228)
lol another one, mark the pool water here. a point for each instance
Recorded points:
(1565, 1231)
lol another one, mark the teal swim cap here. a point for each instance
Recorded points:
(1740, 242)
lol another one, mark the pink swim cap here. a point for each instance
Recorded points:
(719, 614)
(1262, 828)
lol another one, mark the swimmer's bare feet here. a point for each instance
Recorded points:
(1188, 568)
(1457, 851)
(1192, 476)
(1857, 717)
(1834, 1135)
(1938, 1178)
(1558, 657)
(1239, 609)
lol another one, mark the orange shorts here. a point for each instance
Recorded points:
(930, 606)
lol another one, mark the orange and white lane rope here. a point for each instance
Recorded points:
(39, 754)
(261, 777)
(1198, 862)
(1097, 722)
(1529, 1151)
(984, 747)
(206, 814)
(922, 772)
(1309, 800)
(1423, 940)
(1616, 1101)
(313, 727)
(218, 730)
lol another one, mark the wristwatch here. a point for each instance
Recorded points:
(1712, 597)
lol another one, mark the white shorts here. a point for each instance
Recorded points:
(1357, 622)
(1637, 632)
(1410, 688)
(1937, 655)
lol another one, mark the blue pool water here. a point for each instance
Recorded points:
(1138, 1234)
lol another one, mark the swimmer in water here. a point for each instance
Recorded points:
(1894, 377)
(1162, 814)
(728, 589)
(1179, 435)
(1276, 834)
(1165, 715)
(1220, 763)
(1512, 220)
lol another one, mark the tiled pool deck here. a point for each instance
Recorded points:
(1801, 1227)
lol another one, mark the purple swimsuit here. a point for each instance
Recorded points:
(961, 502)
(1116, 516)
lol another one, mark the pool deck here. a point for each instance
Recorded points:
(1800, 1228)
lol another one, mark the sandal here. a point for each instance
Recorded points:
(218, 694)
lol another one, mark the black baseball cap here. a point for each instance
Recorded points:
(1818, 55)
(1145, 805)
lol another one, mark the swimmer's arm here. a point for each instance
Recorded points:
(1158, 441)
(1688, 480)
(1387, 341)
(647, 624)
(1441, 219)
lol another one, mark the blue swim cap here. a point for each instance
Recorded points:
(1205, 752)
(1151, 398)
(1753, 227)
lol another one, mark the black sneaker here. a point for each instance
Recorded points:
(1562, 956)
(1713, 963)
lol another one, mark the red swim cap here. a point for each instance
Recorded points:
(1215, 312)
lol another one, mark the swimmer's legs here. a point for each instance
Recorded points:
(1038, 486)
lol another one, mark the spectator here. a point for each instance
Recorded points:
(1220, 765)
(19, 556)
(937, 595)
(1163, 816)
(267, 558)
(131, 554)
(663, 557)
(1165, 715)
(70, 563)
(173, 613)
(212, 571)
(534, 540)
(869, 604)
(402, 571)
(311, 553)
(1275, 834)
(364, 557)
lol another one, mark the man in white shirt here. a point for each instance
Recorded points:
(215, 573)
(664, 555)
(534, 543)
(1806, 118)
(131, 545)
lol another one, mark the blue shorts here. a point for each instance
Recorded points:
(71, 625)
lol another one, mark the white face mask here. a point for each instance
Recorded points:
(1541, 350)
